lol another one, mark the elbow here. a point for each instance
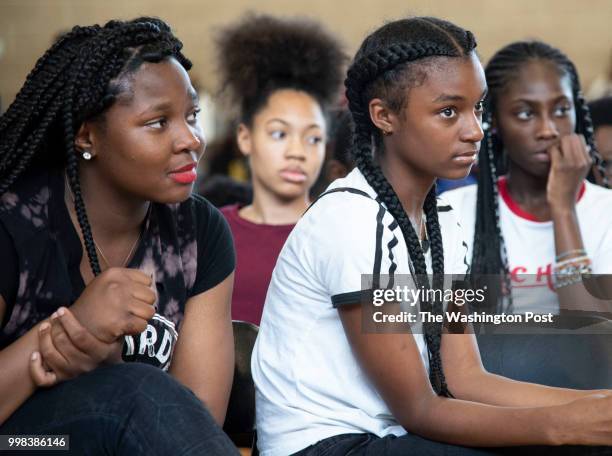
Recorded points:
(415, 416)
(463, 383)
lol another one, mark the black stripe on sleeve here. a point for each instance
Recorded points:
(350, 298)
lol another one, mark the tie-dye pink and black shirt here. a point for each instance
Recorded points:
(187, 247)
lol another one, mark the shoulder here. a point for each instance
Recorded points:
(230, 211)
(25, 206)
(595, 208)
(347, 203)
(597, 195)
(460, 198)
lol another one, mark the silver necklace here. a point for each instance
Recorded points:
(421, 232)
(129, 255)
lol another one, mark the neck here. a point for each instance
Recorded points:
(111, 213)
(525, 188)
(410, 185)
(267, 208)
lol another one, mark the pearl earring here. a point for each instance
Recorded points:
(86, 155)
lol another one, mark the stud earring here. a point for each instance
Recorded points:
(86, 155)
(387, 133)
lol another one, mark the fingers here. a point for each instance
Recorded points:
(144, 294)
(83, 340)
(80, 337)
(40, 375)
(51, 355)
(575, 151)
(555, 155)
(139, 277)
(143, 303)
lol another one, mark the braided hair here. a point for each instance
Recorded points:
(389, 61)
(261, 54)
(490, 256)
(77, 79)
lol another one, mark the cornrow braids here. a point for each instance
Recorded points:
(77, 79)
(489, 253)
(385, 65)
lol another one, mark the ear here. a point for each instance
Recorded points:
(244, 139)
(84, 141)
(382, 117)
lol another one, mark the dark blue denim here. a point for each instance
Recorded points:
(125, 409)
(409, 444)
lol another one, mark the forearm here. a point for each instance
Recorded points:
(467, 423)
(16, 384)
(567, 239)
(492, 389)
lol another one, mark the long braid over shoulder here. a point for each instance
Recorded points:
(77, 79)
(391, 60)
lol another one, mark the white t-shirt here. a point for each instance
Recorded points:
(309, 385)
(530, 244)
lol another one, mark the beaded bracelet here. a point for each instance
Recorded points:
(569, 253)
(571, 273)
(571, 261)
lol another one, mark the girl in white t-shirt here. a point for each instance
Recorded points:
(327, 386)
(533, 218)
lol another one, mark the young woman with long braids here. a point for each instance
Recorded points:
(533, 218)
(98, 155)
(324, 386)
(282, 74)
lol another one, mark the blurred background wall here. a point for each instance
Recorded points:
(583, 29)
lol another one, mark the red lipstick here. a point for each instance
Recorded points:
(185, 175)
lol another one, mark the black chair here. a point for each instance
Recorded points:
(240, 418)
(581, 361)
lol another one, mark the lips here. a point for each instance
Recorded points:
(467, 157)
(293, 175)
(185, 174)
(542, 156)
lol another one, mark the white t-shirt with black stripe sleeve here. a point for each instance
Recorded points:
(309, 386)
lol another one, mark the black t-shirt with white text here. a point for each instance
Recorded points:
(186, 247)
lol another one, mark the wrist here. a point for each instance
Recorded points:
(115, 356)
(553, 427)
(558, 426)
(562, 209)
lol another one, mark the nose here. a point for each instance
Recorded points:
(547, 128)
(295, 148)
(472, 131)
(190, 139)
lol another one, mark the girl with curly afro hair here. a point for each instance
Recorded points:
(281, 75)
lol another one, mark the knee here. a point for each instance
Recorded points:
(134, 384)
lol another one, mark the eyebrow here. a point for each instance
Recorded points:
(164, 105)
(276, 119)
(445, 97)
(531, 100)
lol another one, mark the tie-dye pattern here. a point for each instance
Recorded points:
(38, 226)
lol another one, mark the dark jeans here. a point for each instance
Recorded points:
(126, 409)
(371, 445)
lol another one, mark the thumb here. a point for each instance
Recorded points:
(41, 376)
